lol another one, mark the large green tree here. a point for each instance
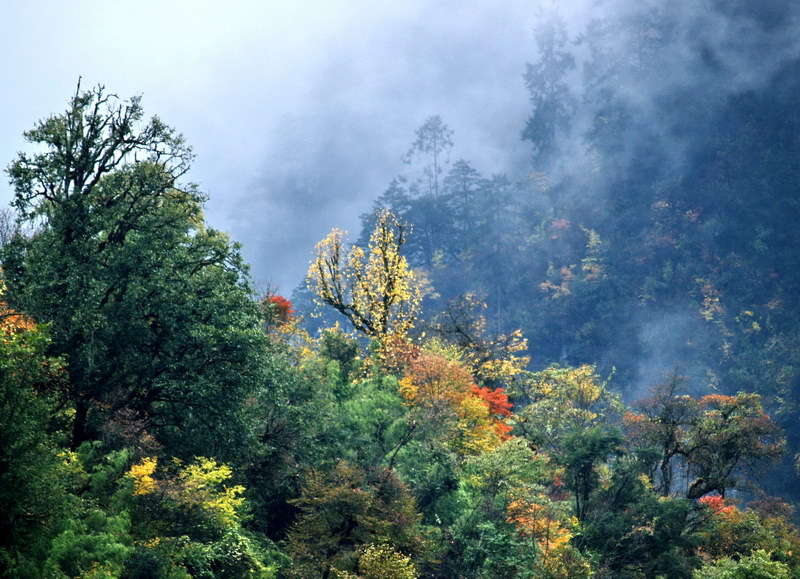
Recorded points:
(150, 308)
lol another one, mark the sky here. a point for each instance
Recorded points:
(298, 111)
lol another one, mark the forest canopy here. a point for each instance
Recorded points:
(585, 370)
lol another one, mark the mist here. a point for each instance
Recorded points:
(608, 340)
(298, 113)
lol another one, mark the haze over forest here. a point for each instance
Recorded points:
(298, 112)
(309, 106)
(561, 338)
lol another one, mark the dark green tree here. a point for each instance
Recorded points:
(34, 474)
(551, 99)
(150, 308)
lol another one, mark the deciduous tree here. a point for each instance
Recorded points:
(373, 288)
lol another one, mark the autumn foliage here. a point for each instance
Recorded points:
(496, 400)
(715, 438)
(374, 287)
(12, 321)
(435, 384)
(157, 421)
(282, 308)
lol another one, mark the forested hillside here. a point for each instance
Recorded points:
(588, 369)
(654, 232)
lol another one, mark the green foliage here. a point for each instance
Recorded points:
(716, 438)
(434, 141)
(428, 466)
(356, 471)
(93, 513)
(345, 509)
(380, 562)
(755, 566)
(484, 541)
(87, 531)
(36, 472)
(640, 245)
(150, 307)
(342, 351)
(558, 401)
(551, 102)
(582, 453)
(374, 423)
(94, 544)
(732, 433)
(645, 535)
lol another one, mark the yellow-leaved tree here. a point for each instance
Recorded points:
(374, 288)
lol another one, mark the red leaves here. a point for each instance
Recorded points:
(558, 227)
(434, 382)
(496, 400)
(284, 310)
(717, 504)
(277, 310)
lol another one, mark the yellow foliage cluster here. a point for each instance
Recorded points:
(374, 288)
(536, 519)
(477, 428)
(380, 562)
(291, 332)
(575, 390)
(203, 484)
(502, 362)
(712, 307)
(200, 484)
(591, 265)
(562, 289)
(142, 475)
(561, 399)
(492, 359)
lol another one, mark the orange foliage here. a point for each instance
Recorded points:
(717, 400)
(538, 522)
(12, 322)
(640, 428)
(396, 353)
(632, 419)
(502, 430)
(282, 308)
(499, 408)
(718, 505)
(496, 400)
(432, 381)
